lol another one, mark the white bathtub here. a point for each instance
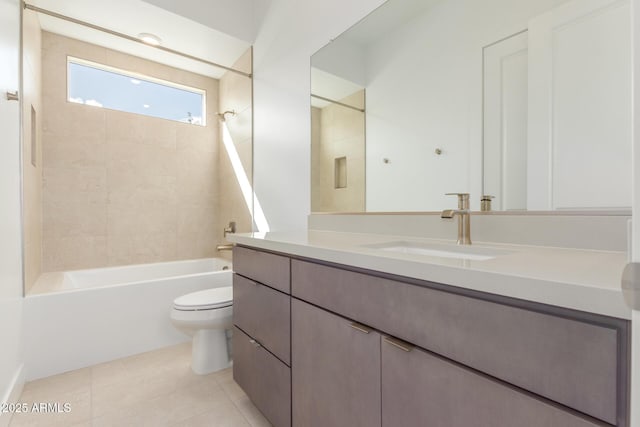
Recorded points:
(80, 318)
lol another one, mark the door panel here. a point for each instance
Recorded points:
(420, 389)
(505, 122)
(579, 145)
(335, 370)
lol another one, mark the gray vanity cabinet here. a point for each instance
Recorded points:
(422, 389)
(564, 356)
(326, 345)
(336, 370)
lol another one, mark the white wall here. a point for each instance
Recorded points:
(10, 227)
(292, 31)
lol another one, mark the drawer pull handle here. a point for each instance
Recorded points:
(361, 328)
(402, 345)
(255, 343)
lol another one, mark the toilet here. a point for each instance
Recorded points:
(206, 316)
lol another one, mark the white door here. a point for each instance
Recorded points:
(580, 106)
(505, 123)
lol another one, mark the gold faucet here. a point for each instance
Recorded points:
(229, 229)
(464, 217)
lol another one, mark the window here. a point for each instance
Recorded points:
(102, 86)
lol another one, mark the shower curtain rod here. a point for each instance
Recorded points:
(131, 38)
(338, 102)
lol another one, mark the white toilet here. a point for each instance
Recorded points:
(206, 315)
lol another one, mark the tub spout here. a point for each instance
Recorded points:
(224, 247)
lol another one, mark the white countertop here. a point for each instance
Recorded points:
(585, 280)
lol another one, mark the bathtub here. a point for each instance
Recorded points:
(81, 318)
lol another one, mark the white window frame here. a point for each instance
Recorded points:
(142, 77)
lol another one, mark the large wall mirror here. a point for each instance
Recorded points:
(528, 101)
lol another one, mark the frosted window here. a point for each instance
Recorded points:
(101, 86)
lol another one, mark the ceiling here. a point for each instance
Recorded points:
(132, 17)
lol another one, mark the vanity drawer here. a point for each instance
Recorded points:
(264, 314)
(266, 268)
(569, 361)
(265, 379)
(421, 389)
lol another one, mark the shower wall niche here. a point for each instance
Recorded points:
(338, 155)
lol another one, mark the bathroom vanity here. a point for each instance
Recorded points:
(332, 329)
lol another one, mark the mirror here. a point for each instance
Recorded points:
(526, 101)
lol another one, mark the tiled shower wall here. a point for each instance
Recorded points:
(32, 155)
(236, 95)
(121, 188)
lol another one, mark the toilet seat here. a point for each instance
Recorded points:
(208, 299)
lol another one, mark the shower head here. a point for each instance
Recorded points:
(222, 116)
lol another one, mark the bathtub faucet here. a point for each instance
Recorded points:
(224, 247)
(230, 229)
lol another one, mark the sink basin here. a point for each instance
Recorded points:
(443, 250)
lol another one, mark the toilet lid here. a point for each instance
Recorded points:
(205, 300)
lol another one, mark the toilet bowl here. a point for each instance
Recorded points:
(206, 316)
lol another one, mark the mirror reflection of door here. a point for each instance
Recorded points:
(505, 122)
(557, 111)
(579, 128)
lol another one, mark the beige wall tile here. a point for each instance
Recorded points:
(133, 188)
(141, 218)
(73, 253)
(236, 94)
(197, 176)
(196, 245)
(141, 248)
(83, 123)
(138, 129)
(240, 126)
(126, 156)
(196, 218)
(74, 218)
(198, 138)
(74, 185)
(68, 152)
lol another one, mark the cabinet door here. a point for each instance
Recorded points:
(263, 313)
(421, 389)
(335, 370)
(264, 267)
(265, 379)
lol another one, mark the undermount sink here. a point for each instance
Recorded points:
(443, 250)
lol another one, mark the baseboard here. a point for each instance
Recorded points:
(12, 394)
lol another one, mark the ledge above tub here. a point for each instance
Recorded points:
(585, 280)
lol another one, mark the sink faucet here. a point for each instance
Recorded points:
(464, 217)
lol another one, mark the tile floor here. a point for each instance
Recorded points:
(154, 389)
